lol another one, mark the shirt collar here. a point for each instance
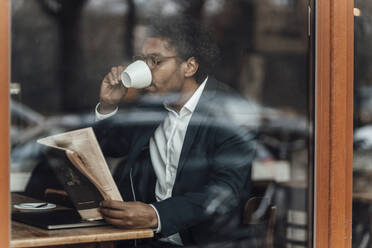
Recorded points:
(194, 99)
(190, 105)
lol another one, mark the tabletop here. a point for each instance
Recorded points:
(23, 235)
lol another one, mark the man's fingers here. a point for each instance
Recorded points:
(113, 204)
(116, 214)
(114, 70)
(112, 80)
(119, 70)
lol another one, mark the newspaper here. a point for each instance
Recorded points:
(82, 149)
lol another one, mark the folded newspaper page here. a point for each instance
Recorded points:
(83, 151)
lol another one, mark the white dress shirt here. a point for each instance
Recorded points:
(165, 150)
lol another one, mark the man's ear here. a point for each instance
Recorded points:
(191, 67)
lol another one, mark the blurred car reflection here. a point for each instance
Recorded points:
(279, 134)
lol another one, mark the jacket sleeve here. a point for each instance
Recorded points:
(231, 163)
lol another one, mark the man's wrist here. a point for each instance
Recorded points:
(105, 108)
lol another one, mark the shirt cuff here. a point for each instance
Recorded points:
(158, 229)
(100, 116)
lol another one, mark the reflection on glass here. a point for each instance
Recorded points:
(239, 159)
(362, 166)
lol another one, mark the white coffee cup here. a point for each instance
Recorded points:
(137, 75)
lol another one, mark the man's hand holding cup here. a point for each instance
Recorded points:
(116, 83)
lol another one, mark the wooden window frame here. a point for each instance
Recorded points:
(333, 118)
(334, 123)
(5, 121)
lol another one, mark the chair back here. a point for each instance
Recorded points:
(259, 210)
(293, 215)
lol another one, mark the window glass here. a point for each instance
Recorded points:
(215, 130)
(362, 126)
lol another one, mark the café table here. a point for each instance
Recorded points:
(23, 235)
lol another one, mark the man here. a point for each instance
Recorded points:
(186, 174)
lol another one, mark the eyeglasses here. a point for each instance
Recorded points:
(152, 60)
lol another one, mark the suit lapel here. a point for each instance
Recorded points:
(199, 117)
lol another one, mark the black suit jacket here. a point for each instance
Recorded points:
(214, 167)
